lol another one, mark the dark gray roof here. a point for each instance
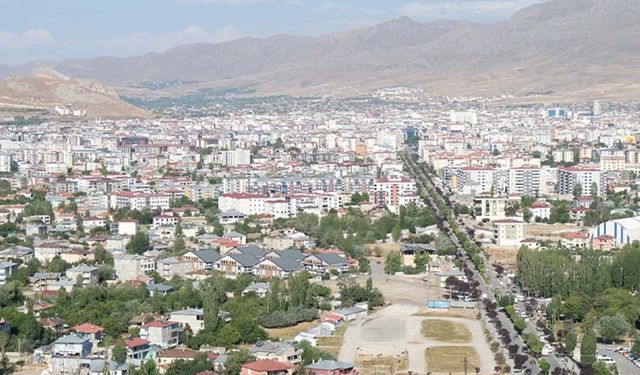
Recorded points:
(291, 253)
(71, 339)
(207, 256)
(330, 365)
(159, 287)
(247, 260)
(251, 249)
(331, 259)
(287, 264)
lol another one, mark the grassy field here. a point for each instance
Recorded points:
(382, 249)
(444, 330)
(381, 365)
(332, 344)
(450, 359)
(287, 333)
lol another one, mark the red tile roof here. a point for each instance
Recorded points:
(88, 328)
(267, 365)
(135, 342)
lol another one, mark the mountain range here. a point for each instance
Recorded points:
(568, 48)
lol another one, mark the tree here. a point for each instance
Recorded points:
(570, 342)
(139, 243)
(601, 368)
(421, 260)
(119, 352)
(227, 336)
(612, 328)
(544, 366)
(588, 349)
(235, 360)
(311, 354)
(577, 190)
(392, 263)
(4, 341)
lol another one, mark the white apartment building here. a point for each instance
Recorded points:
(467, 117)
(192, 317)
(569, 177)
(508, 232)
(489, 208)
(475, 179)
(6, 160)
(129, 267)
(390, 190)
(248, 204)
(525, 181)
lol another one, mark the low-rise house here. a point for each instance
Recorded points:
(91, 331)
(159, 289)
(167, 357)
(174, 266)
(282, 351)
(42, 280)
(162, 333)
(235, 264)
(130, 267)
(260, 289)
(203, 259)
(22, 253)
(267, 367)
(71, 346)
(164, 220)
(540, 210)
(331, 367)
(322, 263)
(137, 349)
(194, 318)
(6, 270)
(353, 313)
(54, 324)
(87, 273)
(94, 222)
(277, 267)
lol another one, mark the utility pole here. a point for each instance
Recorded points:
(465, 365)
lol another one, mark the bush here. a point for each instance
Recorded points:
(288, 318)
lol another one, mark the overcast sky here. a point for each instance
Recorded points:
(54, 29)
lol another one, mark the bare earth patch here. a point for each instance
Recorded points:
(287, 333)
(381, 364)
(451, 313)
(332, 344)
(450, 359)
(445, 330)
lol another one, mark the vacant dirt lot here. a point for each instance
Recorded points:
(501, 255)
(396, 331)
(450, 359)
(445, 330)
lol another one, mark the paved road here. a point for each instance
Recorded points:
(625, 366)
(423, 180)
(493, 280)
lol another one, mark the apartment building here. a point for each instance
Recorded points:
(586, 177)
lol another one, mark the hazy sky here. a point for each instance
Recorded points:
(33, 29)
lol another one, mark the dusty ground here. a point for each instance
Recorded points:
(450, 359)
(333, 343)
(549, 230)
(502, 255)
(382, 249)
(396, 330)
(288, 333)
(445, 330)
